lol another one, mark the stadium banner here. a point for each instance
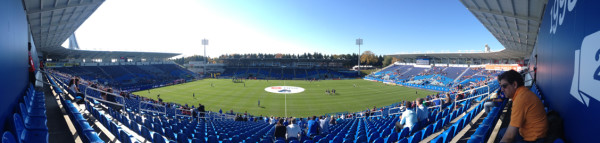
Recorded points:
(568, 65)
(515, 67)
(284, 89)
(422, 60)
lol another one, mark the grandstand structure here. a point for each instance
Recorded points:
(554, 42)
(285, 68)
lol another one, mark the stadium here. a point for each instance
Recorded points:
(57, 93)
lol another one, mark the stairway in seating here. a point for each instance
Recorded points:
(105, 73)
(461, 74)
(130, 73)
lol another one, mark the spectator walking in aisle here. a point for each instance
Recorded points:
(528, 117)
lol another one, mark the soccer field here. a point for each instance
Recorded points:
(242, 97)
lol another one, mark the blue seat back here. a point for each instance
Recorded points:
(392, 138)
(403, 133)
(157, 138)
(428, 131)
(8, 137)
(415, 138)
(378, 140)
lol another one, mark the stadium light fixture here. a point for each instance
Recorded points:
(204, 42)
(359, 42)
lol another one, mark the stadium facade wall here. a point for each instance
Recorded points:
(568, 65)
(13, 56)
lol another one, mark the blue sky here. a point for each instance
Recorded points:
(284, 26)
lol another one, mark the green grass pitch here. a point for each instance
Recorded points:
(227, 95)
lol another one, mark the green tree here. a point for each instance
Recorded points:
(368, 58)
(387, 60)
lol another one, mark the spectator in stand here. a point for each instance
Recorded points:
(201, 110)
(293, 131)
(324, 124)
(437, 100)
(333, 120)
(272, 120)
(528, 120)
(73, 85)
(459, 96)
(494, 101)
(313, 127)
(220, 111)
(31, 65)
(422, 111)
(407, 119)
(447, 101)
(280, 130)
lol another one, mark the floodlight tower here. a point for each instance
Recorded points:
(205, 42)
(359, 42)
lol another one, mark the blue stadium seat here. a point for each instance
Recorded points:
(157, 138)
(337, 139)
(385, 133)
(125, 138)
(17, 125)
(438, 125)
(403, 140)
(198, 140)
(182, 138)
(378, 140)
(416, 137)
(475, 139)
(361, 138)
(92, 137)
(449, 135)
(427, 132)
(373, 136)
(439, 139)
(212, 139)
(8, 137)
(403, 133)
(392, 138)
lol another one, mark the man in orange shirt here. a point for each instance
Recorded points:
(528, 118)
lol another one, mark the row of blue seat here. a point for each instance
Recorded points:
(30, 123)
(111, 125)
(86, 132)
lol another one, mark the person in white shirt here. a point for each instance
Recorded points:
(408, 118)
(324, 123)
(292, 131)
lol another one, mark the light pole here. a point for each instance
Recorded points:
(205, 42)
(359, 42)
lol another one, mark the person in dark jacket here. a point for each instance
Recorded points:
(280, 130)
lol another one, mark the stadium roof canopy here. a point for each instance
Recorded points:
(77, 54)
(53, 21)
(515, 23)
